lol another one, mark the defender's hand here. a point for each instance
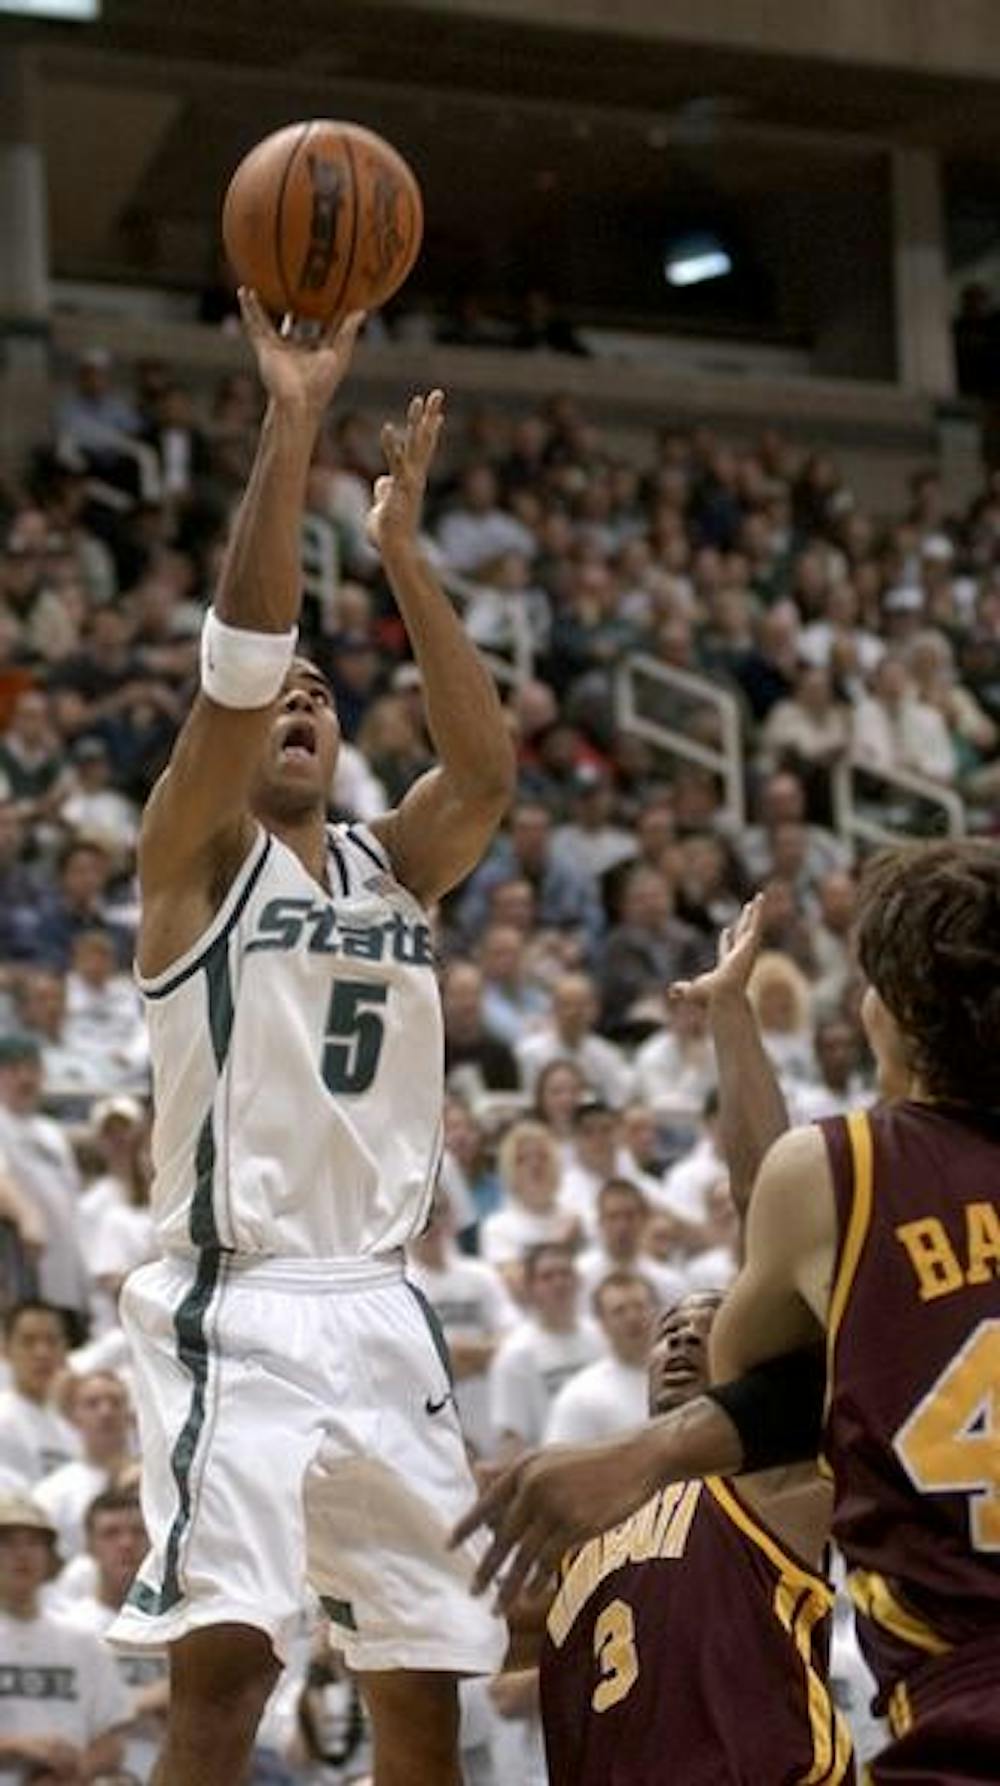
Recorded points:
(550, 1501)
(399, 498)
(739, 947)
(297, 373)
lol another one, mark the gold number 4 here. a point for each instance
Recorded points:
(951, 1441)
(614, 1649)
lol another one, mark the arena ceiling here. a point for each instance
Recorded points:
(146, 112)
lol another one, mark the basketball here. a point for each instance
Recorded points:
(322, 218)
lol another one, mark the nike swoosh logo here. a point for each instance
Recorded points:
(434, 1407)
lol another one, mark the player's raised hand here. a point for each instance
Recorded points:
(299, 371)
(739, 947)
(399, 497)
(550, 1501)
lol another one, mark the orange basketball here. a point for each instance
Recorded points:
(322, 218)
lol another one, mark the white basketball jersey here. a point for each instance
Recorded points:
(298, 1063)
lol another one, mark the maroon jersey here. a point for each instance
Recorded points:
(913, 1427)
(687, 1645)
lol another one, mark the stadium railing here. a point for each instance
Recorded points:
(873, 805)
(725, 759)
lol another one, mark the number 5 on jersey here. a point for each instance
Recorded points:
(354, 1035)
(951, 1442)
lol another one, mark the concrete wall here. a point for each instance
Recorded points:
(959, 37)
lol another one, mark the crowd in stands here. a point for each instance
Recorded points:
(582, 1187)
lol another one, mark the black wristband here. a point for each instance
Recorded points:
(777, 1408)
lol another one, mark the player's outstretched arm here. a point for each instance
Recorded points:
(752, 1110)
(197, 817)
(779, 1301)
(554, 1499)
(443, 825)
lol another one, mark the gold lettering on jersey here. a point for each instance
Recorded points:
(939, 1268)
(659, 1528)
(982, 1229)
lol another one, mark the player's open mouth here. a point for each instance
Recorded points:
(299, 742)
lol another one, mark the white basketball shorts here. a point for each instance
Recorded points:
(297, 1425)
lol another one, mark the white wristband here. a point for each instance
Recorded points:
(241, 668)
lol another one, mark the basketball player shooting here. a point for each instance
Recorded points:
(295, 1408)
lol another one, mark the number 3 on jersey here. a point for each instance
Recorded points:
(354, 1035)
(614, 1649)
(951, 1442)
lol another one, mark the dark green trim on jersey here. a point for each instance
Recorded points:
(437, 1331)
(381, 861)
(339, 1612)
(193, 1349)
(202, 958)
(202, 1225)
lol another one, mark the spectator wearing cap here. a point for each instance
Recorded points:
(35, 1438)
(41, 1163)
(597, 1156)
(93, 809)
(63, 1702)
(569, 1035)
(97, 1405)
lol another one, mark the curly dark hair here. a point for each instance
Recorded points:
(928, 937)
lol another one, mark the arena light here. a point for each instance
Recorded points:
(52, 9)
(695, 260)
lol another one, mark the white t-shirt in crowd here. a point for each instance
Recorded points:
(65, 1494)
(673, 1081)
(58, 1681)
(471, 1304)
(605, 1398)
(814, 1102)
(41, 1163)
(602, 1064)
(507, 1234)
(34, 1438)
(529, 1370)
(581, 1187)
(136, 1669)
(668, 1281)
